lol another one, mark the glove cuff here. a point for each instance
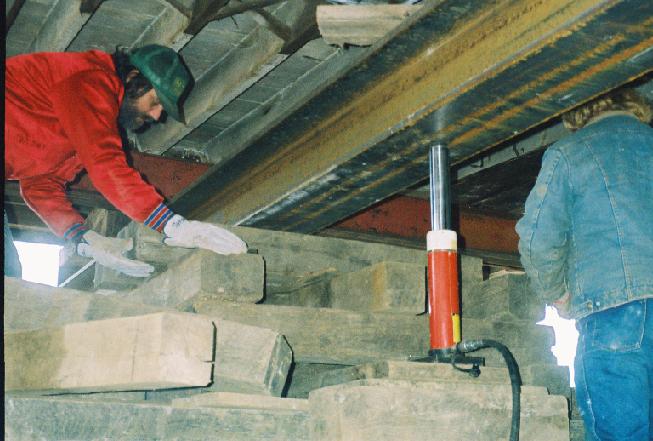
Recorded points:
(173, 223)
(158, 219)
(75, 232)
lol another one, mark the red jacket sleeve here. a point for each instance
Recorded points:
(87, 105)
(45, 194)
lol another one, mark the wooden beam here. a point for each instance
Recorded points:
(12, 13)
(360, 25)
(161, 350)
(230, 76)
(250, 128)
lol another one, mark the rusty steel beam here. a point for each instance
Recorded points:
(169, 176)
(409, 218)
(471, 74)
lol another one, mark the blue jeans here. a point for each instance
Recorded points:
(614, 372)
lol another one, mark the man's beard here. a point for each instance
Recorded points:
(130, 118)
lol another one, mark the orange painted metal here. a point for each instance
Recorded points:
(168, 176)
(444, 303)
(409, 217)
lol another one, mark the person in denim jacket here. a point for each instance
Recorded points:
(586, 243)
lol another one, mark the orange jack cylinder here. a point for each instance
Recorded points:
(444, 304)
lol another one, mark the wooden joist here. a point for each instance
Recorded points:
(360, 25)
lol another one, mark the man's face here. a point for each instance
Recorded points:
(139, 112)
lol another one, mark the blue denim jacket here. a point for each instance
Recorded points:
(588, 222)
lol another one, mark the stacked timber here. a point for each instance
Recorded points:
(293, 343)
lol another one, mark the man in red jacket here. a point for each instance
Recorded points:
(63, 113)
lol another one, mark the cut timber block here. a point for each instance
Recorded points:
(154, 351)
(238, 278)
(555, 378)
(360, 25)
(288, 256)
(304, 377)
(310, 290)
(249, 360)
(504, 295)
(385, 286)
(323, 335)
(240, 401)
(411, 371)
(33, 306)
(380, 410)
(258, 359)
(50, 418)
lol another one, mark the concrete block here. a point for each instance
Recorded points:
(504, 295)
(240, 401)
(385, 286)
(393, 409)
(30, 305)
(66, 419)
(238, 278)
(154, 351)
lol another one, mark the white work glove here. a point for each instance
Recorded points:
(108, 251)
(180, 232)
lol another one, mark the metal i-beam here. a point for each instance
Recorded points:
(409, 218)
(470, 74)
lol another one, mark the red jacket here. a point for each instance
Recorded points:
(61, 112)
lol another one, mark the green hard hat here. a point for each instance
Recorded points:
(171, 79)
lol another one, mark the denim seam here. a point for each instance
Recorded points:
(592, 429)
(537, 217)
(620, 234)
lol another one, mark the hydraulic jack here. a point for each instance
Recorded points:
(446, 344)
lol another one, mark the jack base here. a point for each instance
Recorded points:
(446, 355)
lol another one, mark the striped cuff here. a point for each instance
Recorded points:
(159, 217)
(75, 233)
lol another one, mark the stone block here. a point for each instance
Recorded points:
(380, 410)
(238, 278)
(385, 286)
(66, 419)
(504, 295)
(161, 350)
(240, 401)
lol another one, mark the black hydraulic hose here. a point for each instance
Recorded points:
(513, 370)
